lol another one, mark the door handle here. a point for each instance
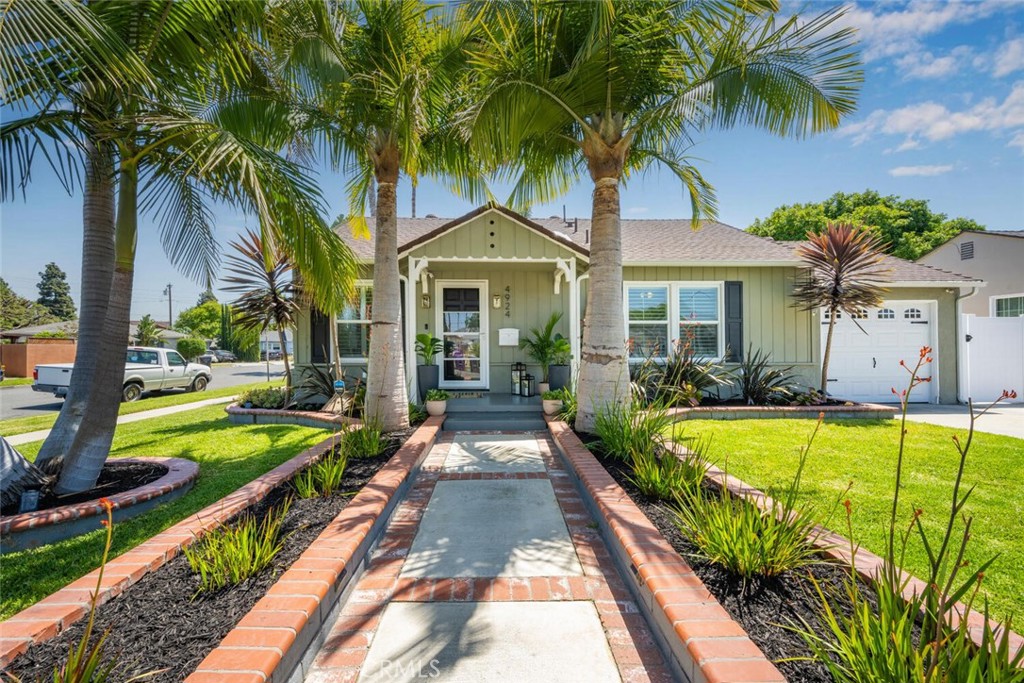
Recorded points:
(874, 362)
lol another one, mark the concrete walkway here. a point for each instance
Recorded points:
(29, 437)
(491, 570)
(1006, 418)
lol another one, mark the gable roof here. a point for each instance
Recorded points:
(649, 241)
(1001, 233)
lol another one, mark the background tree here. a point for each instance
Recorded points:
(206, 297)
(55, 292)
(146, 332)
(191, 348)
(268, 294)
(202, 320)
(17, 311)
(844, 274)
(907, 228)
(609, 89)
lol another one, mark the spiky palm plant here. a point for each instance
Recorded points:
(262, 274)
(844, 274)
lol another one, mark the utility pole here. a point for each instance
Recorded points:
(170, 316)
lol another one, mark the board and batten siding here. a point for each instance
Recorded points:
(770, 321)
(491, 235)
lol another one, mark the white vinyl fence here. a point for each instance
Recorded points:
(991, 357)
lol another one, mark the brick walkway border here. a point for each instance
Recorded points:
(855, 411)
(705, 644)
(867, 565)
(284, 630)
(54, 613)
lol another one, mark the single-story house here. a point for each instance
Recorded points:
(483, 280)
(992, 255)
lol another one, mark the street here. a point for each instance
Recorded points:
(23, 402)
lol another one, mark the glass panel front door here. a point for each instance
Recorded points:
(462, 331)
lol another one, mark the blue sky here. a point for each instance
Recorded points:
(941, 117)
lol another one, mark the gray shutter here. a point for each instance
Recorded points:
(734, 321)
(319, 337)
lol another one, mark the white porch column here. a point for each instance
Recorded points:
(574, 320)
(410, 336)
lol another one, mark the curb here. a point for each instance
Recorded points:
(697, 635)
(279, 638)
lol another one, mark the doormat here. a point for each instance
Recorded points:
(465, 394)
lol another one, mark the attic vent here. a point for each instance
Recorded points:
(966, 250)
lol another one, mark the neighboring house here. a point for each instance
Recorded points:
(995, 256)
(64, 329)
(271, 340)
(465, 280)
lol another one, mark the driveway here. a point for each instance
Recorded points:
(1006, 418)
(23, 402)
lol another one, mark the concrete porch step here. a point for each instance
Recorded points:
(494, 403)
(517, 421)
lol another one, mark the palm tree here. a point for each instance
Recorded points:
(844, 274)
(268, 293)
(611, 88)
(382, 82)
(174, 133)
(146, 332)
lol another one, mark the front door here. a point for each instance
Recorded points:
(463, 323)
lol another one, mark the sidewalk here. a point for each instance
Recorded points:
(491, 570)
(29, 437)
(1006, 418)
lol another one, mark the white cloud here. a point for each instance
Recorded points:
(1017, 140)
(927, 65)
(932, 121)
(1009, 58)
(901, 171)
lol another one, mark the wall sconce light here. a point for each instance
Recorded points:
(496, 301)
(425, 300)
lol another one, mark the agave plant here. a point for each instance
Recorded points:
(844, 274)
(761, 384)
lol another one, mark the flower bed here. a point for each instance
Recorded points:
(32, 529)
(162, 601)
(307, 418)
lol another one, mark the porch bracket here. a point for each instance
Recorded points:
(418, 271)
(563, 268)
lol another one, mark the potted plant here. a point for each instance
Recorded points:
(542, 346)
(436, 401)
(559, 371)
(552, 401)
(427, 372)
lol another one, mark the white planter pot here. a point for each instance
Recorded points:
(436, 408)
(543, 386)
(551, 407)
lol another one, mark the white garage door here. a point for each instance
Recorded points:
(865, 365)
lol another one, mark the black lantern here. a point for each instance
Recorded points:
(528, 386)
(518, 370)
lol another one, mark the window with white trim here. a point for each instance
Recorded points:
(912, 314)
(354, 324)
(1010, 306)
(664, 317)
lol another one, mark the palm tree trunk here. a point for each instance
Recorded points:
(387, 400)
(91, 446)
(828, 349)
(604, 374)
(97, 274)
(283, 337)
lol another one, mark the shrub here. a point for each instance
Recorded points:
(552, 395)
(626, 430)
(427, 347)
(569, 406)
(191, 347)
(760, 384)
(737, 535)
(229, 555)
(915, 639)
(665, 476)
(680, 379)
(366, 441)
(322, 478)
(437, 395)
(417, 414)
(270, 398)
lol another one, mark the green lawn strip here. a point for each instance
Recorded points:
(22, 425)
(15, 382)
(764, 454)
(229, 456)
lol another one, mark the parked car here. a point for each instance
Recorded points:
(146, 369)
(217, 356)
(270, 355)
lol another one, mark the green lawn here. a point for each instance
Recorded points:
(21, 425)
(764, 454)
(228, 455)
(15, 382)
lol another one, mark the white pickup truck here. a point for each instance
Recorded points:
(145, 369)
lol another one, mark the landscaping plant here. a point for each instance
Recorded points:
(367, 441)
(663, 475)
(920, 635)
(427, 347)
(322, 478)
(271, 398)
(546, 346)
(761, 384)
(568, 412)
(417, 414)
(628, 430)
(437, 395)
(736, 534)
(228, 555)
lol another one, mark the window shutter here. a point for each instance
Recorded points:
(734, 321)
(319, 337)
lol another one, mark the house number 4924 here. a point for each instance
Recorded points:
(508, 301)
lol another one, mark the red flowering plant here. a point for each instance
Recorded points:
(921, 633)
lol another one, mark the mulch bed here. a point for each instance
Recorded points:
(117, 476)
(163, 623)
(763, 607)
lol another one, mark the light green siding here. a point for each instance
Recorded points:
(492, 235)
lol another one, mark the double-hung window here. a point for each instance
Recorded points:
(354, 325)
(1009, 306)
(664, 317)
